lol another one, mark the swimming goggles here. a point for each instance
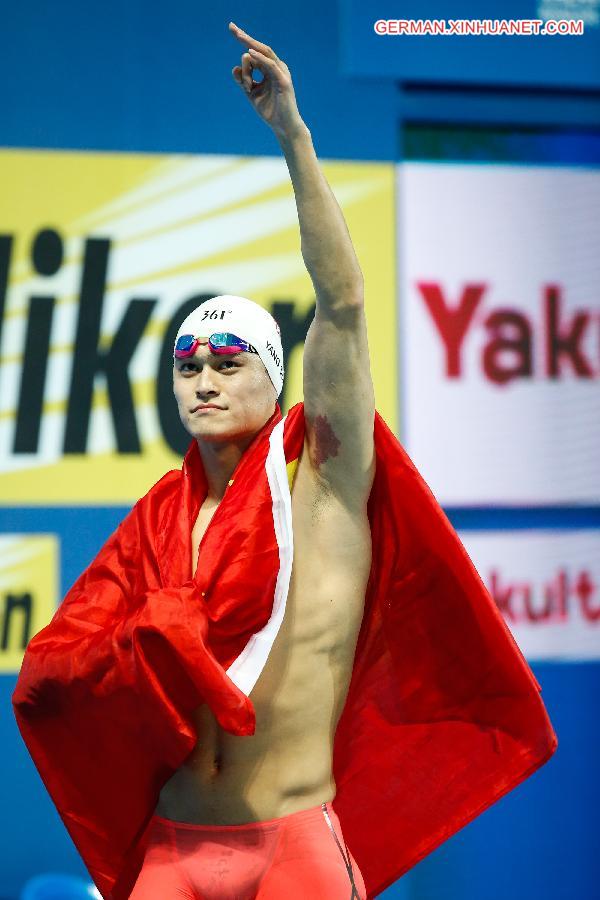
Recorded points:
(219, 342)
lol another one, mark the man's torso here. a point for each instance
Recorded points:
(300, 694)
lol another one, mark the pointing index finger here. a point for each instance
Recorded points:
(249, 41)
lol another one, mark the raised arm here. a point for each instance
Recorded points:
(339, 399)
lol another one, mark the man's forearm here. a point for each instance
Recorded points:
(325, 241)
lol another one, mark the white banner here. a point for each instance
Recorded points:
(546, 584)
(499, 331)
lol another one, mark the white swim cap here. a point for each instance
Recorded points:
(245, 318)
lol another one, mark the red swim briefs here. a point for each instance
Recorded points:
(297, 856)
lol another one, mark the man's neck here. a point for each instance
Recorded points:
(220, 462)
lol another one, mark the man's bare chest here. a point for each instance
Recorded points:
(307, 673)
(205, 514)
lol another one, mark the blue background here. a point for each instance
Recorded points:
(544, 61)
(144, 76)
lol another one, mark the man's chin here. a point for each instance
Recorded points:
(209, 430)
(213, 432)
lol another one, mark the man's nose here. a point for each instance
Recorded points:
(205, 381)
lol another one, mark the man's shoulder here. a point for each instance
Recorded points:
(165, 487)
(167, 484)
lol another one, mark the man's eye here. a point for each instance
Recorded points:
(228, 363)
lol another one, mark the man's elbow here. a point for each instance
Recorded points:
(348, 294)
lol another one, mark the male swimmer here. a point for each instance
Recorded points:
(251, 816)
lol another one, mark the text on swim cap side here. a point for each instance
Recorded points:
(275, 356)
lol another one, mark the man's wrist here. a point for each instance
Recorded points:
(298, 134)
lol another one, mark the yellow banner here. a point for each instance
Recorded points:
(101, 255)
(29, 580)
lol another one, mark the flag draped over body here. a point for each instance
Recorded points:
(443, 714)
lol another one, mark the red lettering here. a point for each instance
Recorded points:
(510, 331)
(584, 589)
(519, 344)
(559, 590)
(515, 600)
(502, 596)
(544, 612)
(452, 323)
(564, 343)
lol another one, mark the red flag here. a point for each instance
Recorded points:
(443, 714)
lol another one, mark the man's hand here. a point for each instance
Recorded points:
(273, 98)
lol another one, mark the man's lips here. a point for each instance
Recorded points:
(206, 406)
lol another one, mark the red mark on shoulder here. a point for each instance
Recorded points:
(326, 442)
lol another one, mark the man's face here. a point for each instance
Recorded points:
(236, 383)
